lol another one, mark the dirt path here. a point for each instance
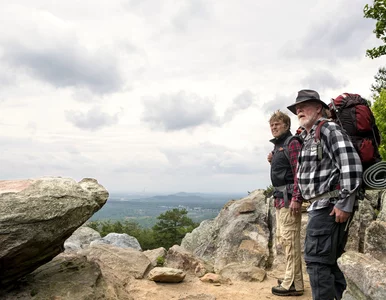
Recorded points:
(197, 290)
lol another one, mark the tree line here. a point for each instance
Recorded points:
(169, 230)
(377, 11)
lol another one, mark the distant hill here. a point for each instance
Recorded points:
(145, 210)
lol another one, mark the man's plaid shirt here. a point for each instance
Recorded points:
(339, 167)
(293, 150)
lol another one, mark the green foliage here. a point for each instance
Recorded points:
(378, 13)
(168, 231)
(379, 111)
(172, 227)
(106, 227)
(269, 191)
(160, 261)
(380, 82)
(379, 107)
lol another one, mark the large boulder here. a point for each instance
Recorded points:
(97, 272)
(375, 242)
(162, 274)
(382, 211)
(122, 240)
(81, 238)
(51, 281)
(362, 219)
(37, 216)
(156, 256)
(239, 234)
(365, 276)
(122, 264)
(178, 258)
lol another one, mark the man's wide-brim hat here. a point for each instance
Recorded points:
(306, 95)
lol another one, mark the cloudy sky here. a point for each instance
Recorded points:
(167, 96)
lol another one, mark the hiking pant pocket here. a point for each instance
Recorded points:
(318, 242)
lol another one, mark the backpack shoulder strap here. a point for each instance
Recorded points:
(317, 130)
(288, 141)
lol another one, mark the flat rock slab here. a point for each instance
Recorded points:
(37, 216)
(159, 274)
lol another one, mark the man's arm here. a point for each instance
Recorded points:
(269, 157)
(349, 164)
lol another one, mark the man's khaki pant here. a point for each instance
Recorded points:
(288, 235)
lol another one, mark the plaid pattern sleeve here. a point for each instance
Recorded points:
(294, 149)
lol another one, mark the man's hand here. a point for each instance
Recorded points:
(269, 158)
(340, 215)
(295, 207)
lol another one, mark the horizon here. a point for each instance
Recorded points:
(175, 193)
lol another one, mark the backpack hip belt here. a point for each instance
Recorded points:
(329, 195)
(285, 191)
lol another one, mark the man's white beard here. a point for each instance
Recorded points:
(307, 122)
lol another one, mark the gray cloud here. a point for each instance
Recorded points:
(182, 110)
(279, 102)
(210, 159)
(68, 65)
(38, 158)
(240, 103)
(342, 36)
(323, 79)
(192, 10)
(178, 111)
(93, 119)
(142, 7)
(6, 77)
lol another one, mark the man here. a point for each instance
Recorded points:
(328, 174)
(283, 161)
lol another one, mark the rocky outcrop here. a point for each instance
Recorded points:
(365, 276)
(37, 216)
(51, 281)
(228, 242)
(238, 245)
(121, 240)
(177, 257)
(119, 263)
(375, 242)
(362, 219)
(382, 207)
(364, 265)
(97, 272)
(240, 233)
(81, 238)
(156, 256)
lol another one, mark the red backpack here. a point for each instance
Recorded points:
(354, 115)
